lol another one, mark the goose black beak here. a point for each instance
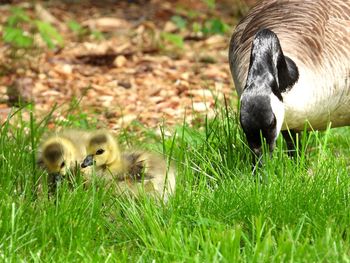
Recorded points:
(257, 152)
(88, 161)
(256, 158)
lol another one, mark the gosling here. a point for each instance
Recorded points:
(132, 171)
(61, 154)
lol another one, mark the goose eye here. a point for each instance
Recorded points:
(273, 123)
(100, 151)
(63, 164)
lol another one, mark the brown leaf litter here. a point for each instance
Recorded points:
(132, 74)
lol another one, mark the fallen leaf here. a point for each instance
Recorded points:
(119, 61)
(107, 24)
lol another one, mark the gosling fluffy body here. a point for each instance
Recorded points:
(150, 169)
(133, 170)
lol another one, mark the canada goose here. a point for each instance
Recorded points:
(62, 152)
(290, 62)
(131, 170)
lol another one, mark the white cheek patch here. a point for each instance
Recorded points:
(278, 109)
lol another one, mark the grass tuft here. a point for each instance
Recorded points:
(299, 212)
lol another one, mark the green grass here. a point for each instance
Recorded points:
(298, 212)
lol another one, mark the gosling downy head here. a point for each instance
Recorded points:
(102, 150)
(62, 152)
(58, 156)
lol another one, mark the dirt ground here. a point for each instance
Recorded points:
(122, 65)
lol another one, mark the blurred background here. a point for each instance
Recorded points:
(115, 63)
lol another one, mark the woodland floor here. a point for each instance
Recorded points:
(122, 64)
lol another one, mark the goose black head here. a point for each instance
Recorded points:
(270, 74)
(258, 119)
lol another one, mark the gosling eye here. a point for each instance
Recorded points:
(63, 164)
(100, 151)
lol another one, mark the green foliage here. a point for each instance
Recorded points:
(191, 21)
(175, 39)
(82, 32)
(179, 21)
(75, 27)
(208, 27)
(18, 16)
(17, 37)
(13, 33)
(97, 35)
(210, 3)
(76, 117)
(49, 34)
(20, 29)
(196, 27)
(215, 26)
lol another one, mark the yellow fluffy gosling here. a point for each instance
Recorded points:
(62, 152)
(134, 170)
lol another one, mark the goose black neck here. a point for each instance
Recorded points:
(269, 70)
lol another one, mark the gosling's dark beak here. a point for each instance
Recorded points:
(54, 180)
(88, 161)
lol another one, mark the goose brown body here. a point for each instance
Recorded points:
(316, 36)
